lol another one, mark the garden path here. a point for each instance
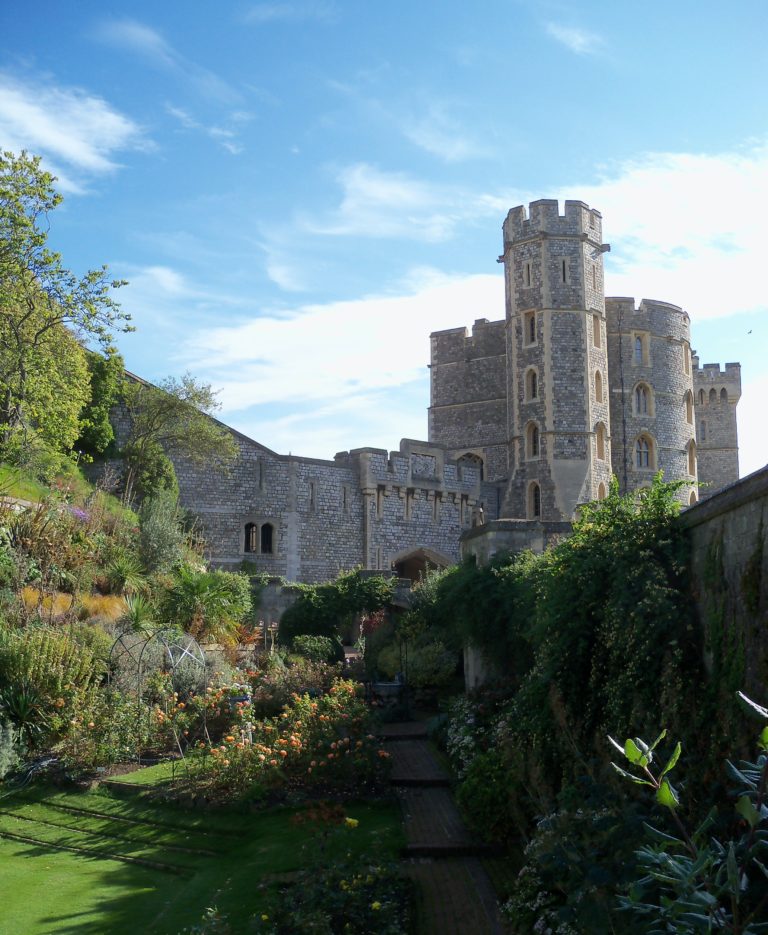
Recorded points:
(441, 855)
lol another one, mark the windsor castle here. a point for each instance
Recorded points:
(530, 416)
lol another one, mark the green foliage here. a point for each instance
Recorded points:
(345, 896)
(161, 536)
(172, 418)
(9, 755)
(210, 605)
(607, 636)
(45, 310)
(578, 857)
(148, 472)
(22, 705)
(323, 609)
(106, 383)
(47, 658)
(123, 574)
(316, 648)
(701, 881)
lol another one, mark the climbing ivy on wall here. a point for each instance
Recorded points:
(324, 609)
(597, 635)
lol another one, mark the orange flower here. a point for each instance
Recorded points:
(283, 753)
(273, 762)
(229, 738)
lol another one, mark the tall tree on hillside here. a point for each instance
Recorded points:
(171, 419)
(44, 307)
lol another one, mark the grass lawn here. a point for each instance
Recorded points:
(91, 864)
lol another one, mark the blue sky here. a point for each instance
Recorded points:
(299, 192)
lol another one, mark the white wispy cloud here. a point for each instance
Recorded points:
(276, 358)
(140, 39)
(380, 204)
(79, 134)
(687, 228)
(261, 13)
(444, 136)
(580, 41)
(225, 137)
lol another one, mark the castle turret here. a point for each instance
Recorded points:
(468, 395)
(716, 394)
(557, 368)
(651, 386)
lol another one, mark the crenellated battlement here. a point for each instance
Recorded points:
(543, 217)
(710, 376)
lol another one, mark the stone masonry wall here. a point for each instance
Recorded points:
(716, 395)
(662, 371)
(729, 572)
(468, 400)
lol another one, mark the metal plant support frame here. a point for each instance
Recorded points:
(176, 647)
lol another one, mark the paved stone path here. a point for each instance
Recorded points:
(457, 897)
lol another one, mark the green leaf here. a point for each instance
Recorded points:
(630, 777)
(658, 740)
(672, 761)
(747, 810)
(763, 741)
(666, 795)
(634, 754)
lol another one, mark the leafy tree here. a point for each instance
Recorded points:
(96, 430)
(41, 302)
(171, 419)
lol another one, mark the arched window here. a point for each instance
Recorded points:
(251, 538)
(701, 397)
(693, 498)
(638, 349)
(712, 396)
(643, 452)
(600, 437)
(692, 458)
(531, 384)
(601, 491)
(723, 395)
(689, 407)
(534, 501)
(532, 440)
(266, 539)
(643, 400)
(598, 386)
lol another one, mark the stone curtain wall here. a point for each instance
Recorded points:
(729, 573)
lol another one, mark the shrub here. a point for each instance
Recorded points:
(208, 604)
(317, 648)
(161, 537)
(322, 743)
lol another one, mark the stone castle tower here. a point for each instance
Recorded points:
(572, 387)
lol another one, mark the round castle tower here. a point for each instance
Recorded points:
(557, 363)
(651, 391)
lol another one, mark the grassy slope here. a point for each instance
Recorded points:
(47, 891)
